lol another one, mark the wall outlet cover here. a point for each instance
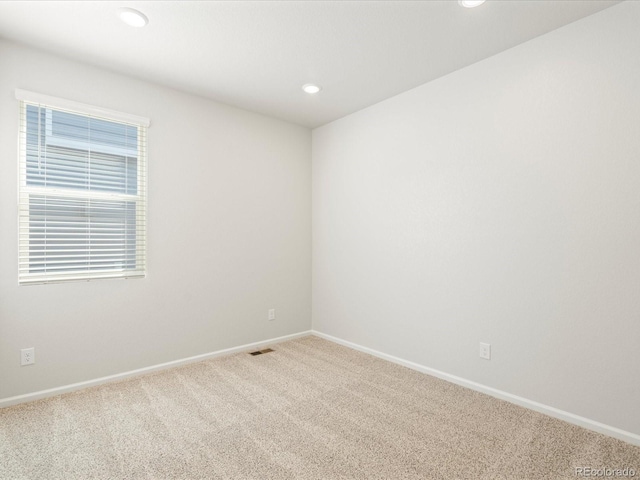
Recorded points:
(27, 356)
(485, 351)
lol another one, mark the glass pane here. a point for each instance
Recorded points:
(69, 235)
(65, 150)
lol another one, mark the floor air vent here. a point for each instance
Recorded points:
(260, 352)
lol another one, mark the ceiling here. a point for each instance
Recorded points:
(257, 54)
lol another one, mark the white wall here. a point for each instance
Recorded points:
(501, 204)
(229, 235)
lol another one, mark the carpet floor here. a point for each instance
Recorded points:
(309, 410)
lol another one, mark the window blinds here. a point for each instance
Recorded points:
(82, 205)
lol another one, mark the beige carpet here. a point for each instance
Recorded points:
(309, 410)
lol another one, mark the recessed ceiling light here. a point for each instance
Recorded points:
(133, 17)
(471, 3)
(311, 88)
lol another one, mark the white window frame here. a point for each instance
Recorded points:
(140, 198)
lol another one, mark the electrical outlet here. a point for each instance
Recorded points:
(485, 351)
(272, 314)
(27, 356)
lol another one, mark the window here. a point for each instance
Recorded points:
(82, 203)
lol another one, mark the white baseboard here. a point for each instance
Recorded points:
(618, 433)
(629, 437)
(52, 392)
